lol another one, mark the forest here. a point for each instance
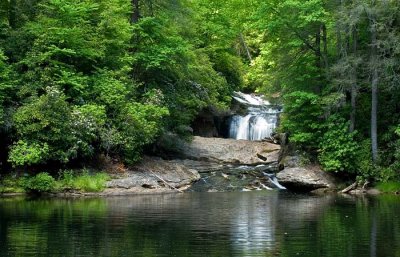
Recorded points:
(79, 78)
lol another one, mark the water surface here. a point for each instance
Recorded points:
(202, 224)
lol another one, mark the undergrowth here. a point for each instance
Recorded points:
(67, 180)
(388, 187)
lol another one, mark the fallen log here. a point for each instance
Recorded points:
(349, 188)
(165, 182)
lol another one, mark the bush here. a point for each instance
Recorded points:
(302, 118)
(23, 153)
(40, 183)
(338, 149)
(66, 180)
(366, 170)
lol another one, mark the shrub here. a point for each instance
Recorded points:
(66, 179)
(366, 170)
(40, 183)
(337, 147)
(23, 153)
(302, 118)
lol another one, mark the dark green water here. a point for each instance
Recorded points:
(202, 224)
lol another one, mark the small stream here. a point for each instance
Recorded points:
(233, 178)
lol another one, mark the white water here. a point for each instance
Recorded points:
(259, 123)
(250, 99)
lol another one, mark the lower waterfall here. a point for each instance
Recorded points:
(260, 122)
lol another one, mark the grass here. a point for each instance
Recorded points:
(83, 181)
(68, 180)
(10, 184)
(388, 187)
(91, 183)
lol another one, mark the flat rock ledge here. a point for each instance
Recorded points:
(153, 175)
(306, 178)
(222, 150)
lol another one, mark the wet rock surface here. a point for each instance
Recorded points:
(235, 178)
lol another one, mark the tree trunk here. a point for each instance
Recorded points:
(353, 84)
(151, 8)
(318, 59)
(374, 89)
(353, 107)
(374, 110)
(325, 46)
(135, 12)
(318, 48)
(245, 47)
(12, 14)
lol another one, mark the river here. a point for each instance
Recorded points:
(258, 223)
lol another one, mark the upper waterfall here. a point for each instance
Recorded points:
(261, 119)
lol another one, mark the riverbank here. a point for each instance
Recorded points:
(202, 165)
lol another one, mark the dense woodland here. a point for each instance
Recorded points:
(79, 78)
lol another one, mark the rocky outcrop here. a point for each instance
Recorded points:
(153, 175)
(232, 151)
(227, 160)
(305, 179)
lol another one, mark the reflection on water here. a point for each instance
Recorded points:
(202, 224)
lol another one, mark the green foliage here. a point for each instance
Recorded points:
(41, 182)
(109, 90)
(22, 153)
(11, 184)
(47, 121)
(186, 77)
(77, 78)
(66, 180)
(388, 187)
(302, 118)
(157, 49)
(338, 148)
(6, 93)
(288, 45)
(365, 168)
(83, 181)
(139, 125)
(87, 122)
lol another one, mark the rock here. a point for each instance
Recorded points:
(373, 191)
(292, 161)
(305, 179)
(155, 174)
(211, 122)
(323, 191)
(357, 191)
(232, 151)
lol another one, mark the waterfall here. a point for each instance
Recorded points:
(261, 119)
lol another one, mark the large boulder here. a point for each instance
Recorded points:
(306, 179)
(153, 175)
(232, 151)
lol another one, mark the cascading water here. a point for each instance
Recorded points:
(260, 122)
